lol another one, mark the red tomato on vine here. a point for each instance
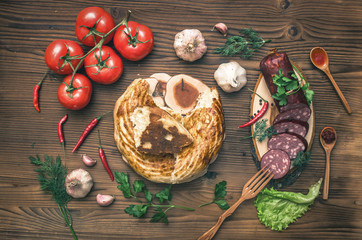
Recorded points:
(134, 41)
(104, 68)
(91, 24)
(76, 95)
(62, 56)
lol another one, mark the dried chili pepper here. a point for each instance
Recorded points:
(36, 90)
(87, 130)
(261, 112)
(103, 158)
(60, 130)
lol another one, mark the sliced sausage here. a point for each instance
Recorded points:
(291, 106)
(289, 142)
(270, 65)
(278, 161)
(301, 114)
(292, 126)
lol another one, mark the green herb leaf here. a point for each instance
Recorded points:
(164, 195)
(123, 180)
(160, 215)
(244, 45)
(136, 210)
(220, 190)
(148, 195)
(301, 159)
(219, 194)
(139, 210)
(51, 176)
(138, 186)
(222, 203)
(261, 131)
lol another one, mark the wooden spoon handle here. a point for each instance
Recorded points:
(212, 231)
(326, 176)
(340, 94)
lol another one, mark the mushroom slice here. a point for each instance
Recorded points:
(162, 79)
(153, 84)
(182, 92)
(157, 132)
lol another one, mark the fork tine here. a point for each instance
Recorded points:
(258, 175)
(265, 181)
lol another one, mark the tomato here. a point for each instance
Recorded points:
(77, 97)
(93, 22)
(104, 69)
(134, 46)
(58, 56)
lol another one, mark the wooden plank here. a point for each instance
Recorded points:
(28, 27)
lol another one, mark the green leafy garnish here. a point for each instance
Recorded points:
(278, 209)
(219, 194)
(51, 176)
(139, 210)
(244, 45)
(262, 131)
(287, 86)
(301, 159)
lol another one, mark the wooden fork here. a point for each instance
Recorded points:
(250, 190)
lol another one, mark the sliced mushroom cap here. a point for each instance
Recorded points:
(162, 79)
(182, 92)
(153, 83)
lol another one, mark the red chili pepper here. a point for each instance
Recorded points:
(87, 130)
(103, 158)
(262, 111)
(60, 130)
(36, 90)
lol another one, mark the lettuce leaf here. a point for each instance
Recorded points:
(278, 209)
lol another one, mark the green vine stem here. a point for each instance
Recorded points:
(98, 45)
(68, 219)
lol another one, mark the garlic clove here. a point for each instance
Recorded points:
(88, 161)
(222, 28)
(104, 200)
(78, 183)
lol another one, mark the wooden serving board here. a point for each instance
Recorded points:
(261, 88)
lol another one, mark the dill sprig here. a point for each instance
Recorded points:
(51, 176)
(244, 45)
(262, 131)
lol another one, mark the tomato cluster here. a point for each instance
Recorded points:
(95, 27)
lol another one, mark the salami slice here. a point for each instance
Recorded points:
(291, 106)
(292, 126)
(278, 161)
(301, 114)
(289, 142)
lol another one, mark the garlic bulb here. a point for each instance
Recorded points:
(231, 77)
(190, 45)
(78, 183)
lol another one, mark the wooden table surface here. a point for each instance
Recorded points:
(28, 27)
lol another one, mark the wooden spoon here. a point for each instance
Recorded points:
(328, 146)
(319, 58)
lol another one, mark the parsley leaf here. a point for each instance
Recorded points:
(160, 215)
(244, 45)
(139, 210)
(164, 195)
(219, 194)
(136, 210)
(287, 86)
